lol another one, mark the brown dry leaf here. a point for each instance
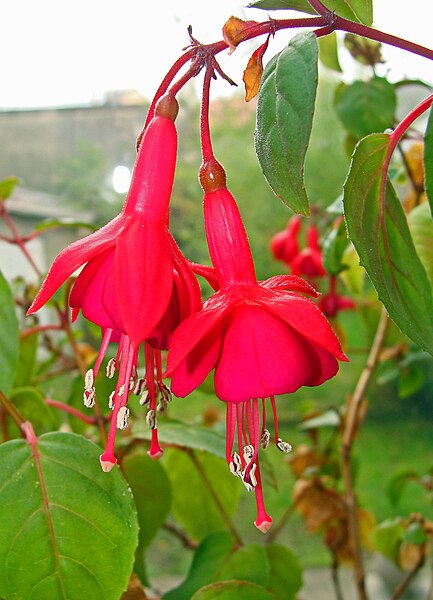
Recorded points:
(303, 458)
(234, 31)
(318, 505)
(411, 555)
(135, 590)
(87, 353)
(254, 71)
(415, 161)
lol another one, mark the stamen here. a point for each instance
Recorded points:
(165, 393)
(145, 398)
(111, 400)
(284, 446)
(89, 380)
(89, 398)
(265, 438)
(111, 368)
(140, 386)
(235, 465)
(249, 478)
(151, 419)
(133, 379)
(162, 406)
(122, 417)
(121, 390)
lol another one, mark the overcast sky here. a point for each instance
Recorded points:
(65, 53)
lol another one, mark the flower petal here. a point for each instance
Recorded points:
(292, 283)
(260, 357)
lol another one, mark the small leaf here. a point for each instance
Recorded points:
(9, 346)
(387, 538)
(236, 30)
(328, 52)
(68, 530)
(205, 566)
(428, 160)
(228, 590)
(285, 578)
(411, 381)
(284, 119)
(31, 404)
(384, 244)
(65, 222)
(415, 533)
(398, 483)
(247, 564)
(330, 418)
(333, 248)
(253, 72)
(194, 504)
(421, 227)
(7, 187)
(367, 106)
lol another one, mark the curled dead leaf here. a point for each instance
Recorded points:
(318, 505)
(235, 30)
(304, 458)
(252, 76)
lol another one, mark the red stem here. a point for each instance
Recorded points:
(206, 141)
(71, 410)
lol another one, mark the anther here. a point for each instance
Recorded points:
(122, 418)
(89, 380)
(151, 419)
(133, 379)
(284, 446)
(165, 393)
(89, 398)
(248, 453)
(145, 398)
(265, 437)
(111, 400)
(140, 386)
(249, 479)
(235, 465)
(121, 390)
(111, 368)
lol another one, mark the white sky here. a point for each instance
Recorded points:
(64, 53)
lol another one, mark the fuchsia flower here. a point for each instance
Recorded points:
(332, 302)
(260, 338)
(136, 285)
(309, 261)
(284, 244)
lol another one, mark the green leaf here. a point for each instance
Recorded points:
(228, 590)
(7, 187)
(9, 337)
(384, 244)
(185, 435)
(64, 222)
(333, 248)
(328, 52)
(330, 418)
(284, 119)
(68, 530)
(31, 404)
(249, 563)
(28, 347)
(387, 538)
(428, 160)
(207, 562)
(411, 381)
(367, 106)
(285, 579)
(398, 483)
(355, 10)
(421, 227)
(194, 504)
(415, 534)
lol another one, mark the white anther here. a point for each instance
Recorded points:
(111, 400)
(144, 399)
(140, 386)
(111, 368)
(89, 381)
(235, 465)
(251, 484)
(284, 446)
(264, 440)
(89, 398)
(151, 419)
(166, 393)
(162, 406)
(133, 379)
(121, 390)
(122, 418)
(248, 453)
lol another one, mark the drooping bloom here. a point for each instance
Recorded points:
(309, 261)
(284, 244)
(332, 302)
(135, 284)
(260, 338)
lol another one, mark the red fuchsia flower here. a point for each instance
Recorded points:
(309, 261)
(260, 338)
(135, 284)
(332, 303)
(284, 244)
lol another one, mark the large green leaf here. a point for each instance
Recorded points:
(355, 10)
(366, 107)
(379, 231)
(328, 52)
(26, 360)
(421, 227)
(68, 530)
(428, 160)
(247, 564)
(285, 578)
(31, 404)
(284, 119)
(9, 345)
(206, 565)
(194, 504)
(229, 590)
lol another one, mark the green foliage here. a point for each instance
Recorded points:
(284, 118)
(9, 347)
(67, 518)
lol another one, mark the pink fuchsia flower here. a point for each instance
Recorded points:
(309, 261)
(332, 302)
(260, 338)
(284, 244)
(135, 284)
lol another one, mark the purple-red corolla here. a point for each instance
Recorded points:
(260, 338)
(135, 284)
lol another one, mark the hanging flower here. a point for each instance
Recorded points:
(309, 261)
(135, 284)
(284, 244)
(260, 338)
(332, 302)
